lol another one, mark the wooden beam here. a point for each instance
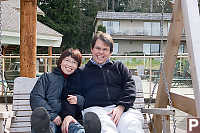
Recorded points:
(191, 22)
(28, 20)
(159, 111)
(50, 59)
(171, 51)
(4, 48)
(184, 104)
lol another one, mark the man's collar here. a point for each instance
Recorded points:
(100, 65)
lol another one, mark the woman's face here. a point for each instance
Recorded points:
(68, 65)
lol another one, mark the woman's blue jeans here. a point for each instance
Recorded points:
(73, 128)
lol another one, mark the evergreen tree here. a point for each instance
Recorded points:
(145, 5)
(72, 18)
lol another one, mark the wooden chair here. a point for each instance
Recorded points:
(21, 104)
(3, 117)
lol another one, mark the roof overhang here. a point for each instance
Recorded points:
(13, 38)
(10, 35)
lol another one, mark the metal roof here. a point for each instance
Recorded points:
(11, 21)
(16, 4)
(132, 16)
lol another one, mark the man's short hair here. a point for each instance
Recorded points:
(106, 38)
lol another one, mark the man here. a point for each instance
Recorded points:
(109, 90)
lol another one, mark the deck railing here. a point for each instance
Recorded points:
(148, 67)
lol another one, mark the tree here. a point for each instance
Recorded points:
(72, 18)
(145, 6)
(101, 28)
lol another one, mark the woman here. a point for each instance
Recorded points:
(45, 98)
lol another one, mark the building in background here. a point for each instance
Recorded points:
(137, 33)
(10, 26)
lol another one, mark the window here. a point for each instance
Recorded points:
(168, 26)
(155, 31)
(151, 48)
(111, 26)
(155, 48)
(115, 48)
(147, 49)
(152, 28)
(181, 48)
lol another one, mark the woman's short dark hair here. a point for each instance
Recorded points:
(106, 38)
(74, 53)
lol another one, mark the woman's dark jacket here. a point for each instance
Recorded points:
(111, 84)
(48, 92)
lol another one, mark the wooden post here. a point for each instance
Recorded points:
(3, 75)
(170, 56)
(50, 59)
(28, 20)
(45, 64)
(191, 22)
(150, 75)
(4, 50)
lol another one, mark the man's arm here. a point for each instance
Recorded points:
(128, 95)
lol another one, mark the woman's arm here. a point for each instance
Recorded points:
(37, 96)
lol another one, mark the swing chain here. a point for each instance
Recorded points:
(169, 96)
(149, 103)
(4, 88)
(162, 4)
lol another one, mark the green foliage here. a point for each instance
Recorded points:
(72, 18)
(137, 6)
(101, 28)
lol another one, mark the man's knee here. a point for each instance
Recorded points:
(130, 119)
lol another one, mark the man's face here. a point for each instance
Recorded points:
(68, 65)
(100, 52)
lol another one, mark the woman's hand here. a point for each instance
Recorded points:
(65, 125)
(116, 113)
(72, 99)
(57, 120)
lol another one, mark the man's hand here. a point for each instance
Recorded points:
(116, 113)
(68, 119)
(72, 99)
(57, 120)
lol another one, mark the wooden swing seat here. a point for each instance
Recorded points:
(20, 123)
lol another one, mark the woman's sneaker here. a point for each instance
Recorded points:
(91, 123)
(40, 121)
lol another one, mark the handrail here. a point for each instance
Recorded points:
(113, 56)
(150, 63)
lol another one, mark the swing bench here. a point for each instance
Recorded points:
(20, 123)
